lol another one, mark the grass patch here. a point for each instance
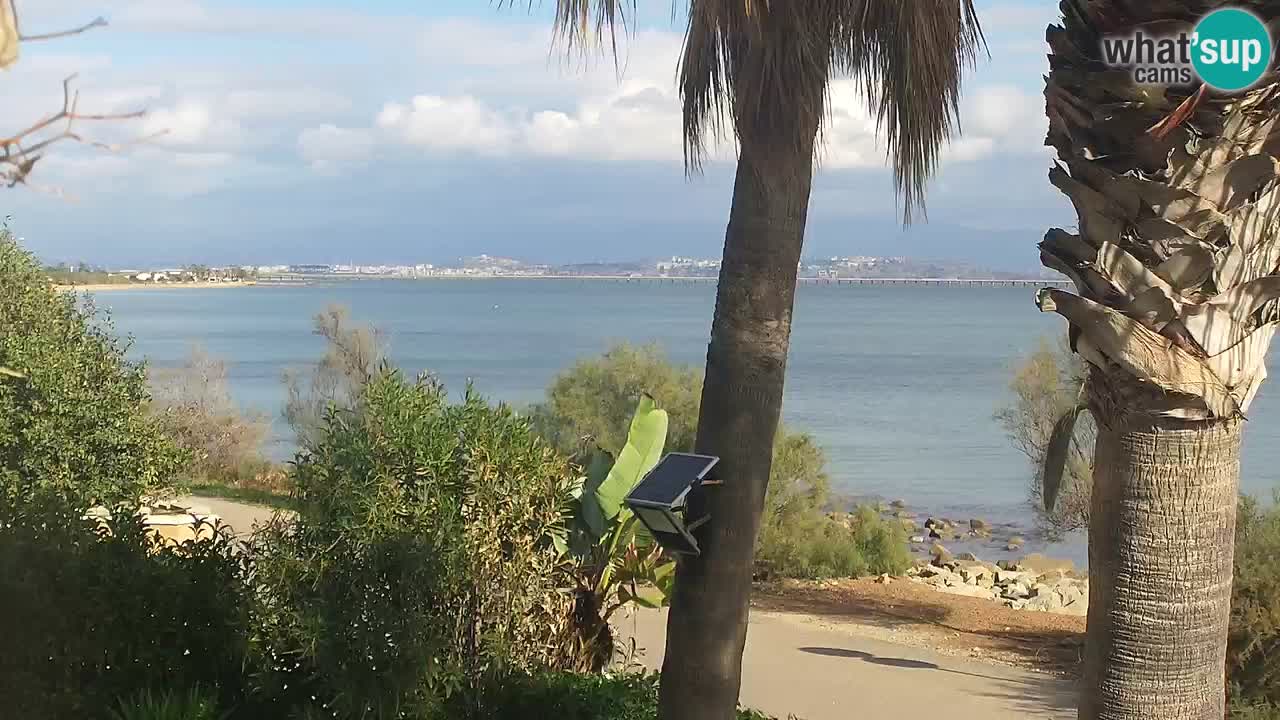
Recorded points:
(251, 496)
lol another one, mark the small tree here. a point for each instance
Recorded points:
(353, 353)
(195, 407)
(73, 410)
(1046, 387)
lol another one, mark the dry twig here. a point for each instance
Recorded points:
(20, 152)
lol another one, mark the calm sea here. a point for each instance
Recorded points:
(898, 384)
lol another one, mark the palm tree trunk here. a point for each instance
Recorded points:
(1161, 542)
(741, 405)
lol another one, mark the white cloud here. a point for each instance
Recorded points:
(1011, 119)
(279, 103)
(450, 123)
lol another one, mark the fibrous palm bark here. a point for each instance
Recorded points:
(1175, 266)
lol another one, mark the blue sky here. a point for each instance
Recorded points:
(397, 131)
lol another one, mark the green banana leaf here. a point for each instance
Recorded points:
(645, 443)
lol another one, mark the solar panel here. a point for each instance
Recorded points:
(679, 543)
(672, 478)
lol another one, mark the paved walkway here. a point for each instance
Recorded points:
(240, 517)
(797, 666)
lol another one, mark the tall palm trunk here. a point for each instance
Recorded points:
(1161, 545)
(1178, 195)
(762, 70)
(741, 405)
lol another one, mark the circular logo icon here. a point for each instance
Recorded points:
(1231, 49)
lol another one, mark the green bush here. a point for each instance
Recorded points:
(94, 614)
(821, 547)
(593, 401)
(75, 424)
(420, 565)
(565, 696)
(1253, 656)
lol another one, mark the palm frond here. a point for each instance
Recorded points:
(764, 69)
(909, 56)
(583, 23)
(761, 69)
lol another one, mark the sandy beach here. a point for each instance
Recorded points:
(107, 287)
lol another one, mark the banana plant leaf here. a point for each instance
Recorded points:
(645, 443)
(590, 512)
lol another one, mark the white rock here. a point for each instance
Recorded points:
(968, 591)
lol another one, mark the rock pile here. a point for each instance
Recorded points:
(1033, 583)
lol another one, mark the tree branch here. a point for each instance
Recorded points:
(17, 25)
(95, 23)
(21, 151)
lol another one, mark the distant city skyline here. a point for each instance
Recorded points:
(492, 266)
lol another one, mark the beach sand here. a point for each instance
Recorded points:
(107, 287)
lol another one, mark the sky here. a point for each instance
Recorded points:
(398, 131)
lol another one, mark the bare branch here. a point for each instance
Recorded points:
(17, 25)
(21, 151)
(95, 23)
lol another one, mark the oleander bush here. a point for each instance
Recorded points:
(98, 611)
(420, 567)
(73, 410)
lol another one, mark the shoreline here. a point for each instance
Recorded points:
(109, 287)
(955, 281)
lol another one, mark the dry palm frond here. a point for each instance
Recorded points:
(9, 40)
(762, 68)
(1177, 258)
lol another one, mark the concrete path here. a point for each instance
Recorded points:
(795, 665)
(240, 517)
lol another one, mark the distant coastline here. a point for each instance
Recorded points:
(109, 287)
(287, 279)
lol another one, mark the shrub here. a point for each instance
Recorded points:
(596, 397)
(420, 564)
(1044, 387)
(591, 403)
(353, 353)
(75, 424)
(194, 405)
(1253, 656)
(168, 705)
(94, 614)
(820, 547)
(567, 696)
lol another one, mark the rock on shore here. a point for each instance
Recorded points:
(1033, 583)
